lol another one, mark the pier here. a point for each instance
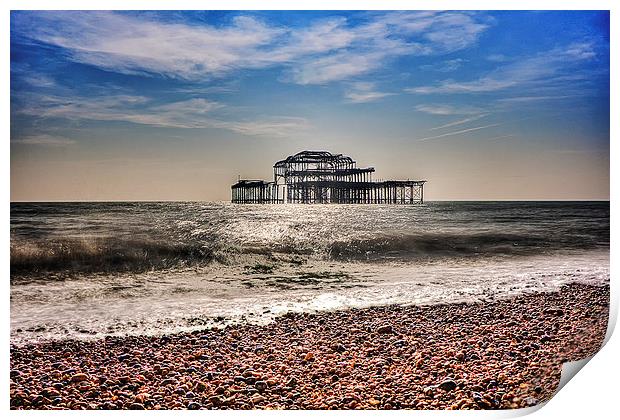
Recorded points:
(320, 177)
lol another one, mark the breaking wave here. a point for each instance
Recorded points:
(139, 255)
(430, 245)
(104, 255)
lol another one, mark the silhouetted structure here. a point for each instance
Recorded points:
(317, 177)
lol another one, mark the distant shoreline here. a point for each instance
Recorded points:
(505, 354)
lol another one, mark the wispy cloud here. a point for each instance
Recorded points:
(443, 31)
(459, 122)
(333, 67)
(485, 84)
(281, 126)
(545, 67)
(189, 114)
(134, 45)
(499, 58)
(506, 136)
(445, 66)
(325, 51)
(454, 133)
(362, 92)
(43, 140)
(444, 109)
(534, 98)
(40, 81)
(370, 46)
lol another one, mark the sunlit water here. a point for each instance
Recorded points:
(95, 269)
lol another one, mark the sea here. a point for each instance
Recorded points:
(89, 270)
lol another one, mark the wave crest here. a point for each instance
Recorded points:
(104, 255)
(429, 245)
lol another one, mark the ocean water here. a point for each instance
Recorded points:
(86, 270)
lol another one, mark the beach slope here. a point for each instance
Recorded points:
(485, 355)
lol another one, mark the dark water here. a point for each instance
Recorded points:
(87, 269)
(118, 237)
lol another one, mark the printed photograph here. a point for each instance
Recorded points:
(302, 210)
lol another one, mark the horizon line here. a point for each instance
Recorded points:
(228, 201)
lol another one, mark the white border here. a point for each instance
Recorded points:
(592, 394)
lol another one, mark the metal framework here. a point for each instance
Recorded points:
(248, 191)
(319, 177)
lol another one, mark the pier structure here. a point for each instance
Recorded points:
(320, 177)
(250, 191)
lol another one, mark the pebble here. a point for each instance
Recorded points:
(340, 348)
(554, 311)
(215, 400)
(193, 405)
(123, 357)
(448, 385)
(256, 399)
(336, 359)
(79, 377)
(385, 329)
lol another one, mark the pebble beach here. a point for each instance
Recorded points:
(486, 355)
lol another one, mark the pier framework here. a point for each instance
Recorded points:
(319, 177)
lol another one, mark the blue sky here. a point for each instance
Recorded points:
(175, 105)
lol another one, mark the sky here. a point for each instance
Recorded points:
(177, 105)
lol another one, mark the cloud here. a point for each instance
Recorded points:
(395, 34)
(270, 127)
(44, 140)
(133, 45)
(546, 68)
(323, 36)
(189, 114)
(324, 51)
(135, 109)
(535, 98)
(445, 66)
(459, 122)
(335, 67)
(40, 81)
(362, 92)
(192, 113)
(443, 109)
(481, 85)
(454, 133)
(443, 32)
(500, 137)
(24, 73)
(499, 58)
(363, 97)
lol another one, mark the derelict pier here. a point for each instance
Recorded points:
(318, 177)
